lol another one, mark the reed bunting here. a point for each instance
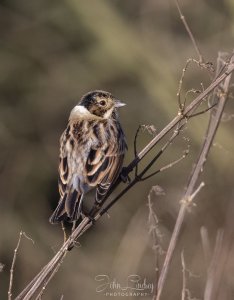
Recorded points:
(92, 149)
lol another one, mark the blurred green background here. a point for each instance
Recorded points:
(51, 53)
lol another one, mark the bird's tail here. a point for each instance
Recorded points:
(69, 208)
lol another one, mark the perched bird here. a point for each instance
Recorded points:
(92, 149)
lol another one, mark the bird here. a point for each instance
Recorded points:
(92, 150)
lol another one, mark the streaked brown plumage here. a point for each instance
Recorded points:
(92, 150)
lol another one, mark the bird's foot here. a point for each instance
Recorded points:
(125, 177)
(92, 220)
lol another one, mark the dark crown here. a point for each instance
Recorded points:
(98, 102)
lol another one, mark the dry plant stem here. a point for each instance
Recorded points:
(178, 94)
(156, 236)
(185, 293)
(189, 32)
(168, 143)
(181, 106)
(170, 165)
(205, 245)
(203, 111)
(222, 63)
(218, 277)
(184, 281)
(135, 147)
(13, 266)
(50, 276)
(14, 261)
(186, 201)
(209, 295)
(39, 279)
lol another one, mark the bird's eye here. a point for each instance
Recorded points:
(102, 103)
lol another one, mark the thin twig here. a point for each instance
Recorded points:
(165, 146)
(221, 63)
(14, 261)
(182, 17)
(181, 106)
(203, 111)
(13, 266)
(151, 130)
(191, 91)
(185, 293)
(170, 165)
(205, 245)
(209, 289)
(194, 194)
(135, 148)
(156, 236)
(50, 276)
(184, 279)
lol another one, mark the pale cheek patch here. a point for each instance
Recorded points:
(80, 111)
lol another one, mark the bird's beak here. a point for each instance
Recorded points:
(118, 103)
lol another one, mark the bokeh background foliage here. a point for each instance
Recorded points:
(52, 52)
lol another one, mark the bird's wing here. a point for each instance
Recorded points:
(63, 166)
(104, 164)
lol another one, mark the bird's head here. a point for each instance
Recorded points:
(97, 103)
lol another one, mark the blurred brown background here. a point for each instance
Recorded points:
(52, 52)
